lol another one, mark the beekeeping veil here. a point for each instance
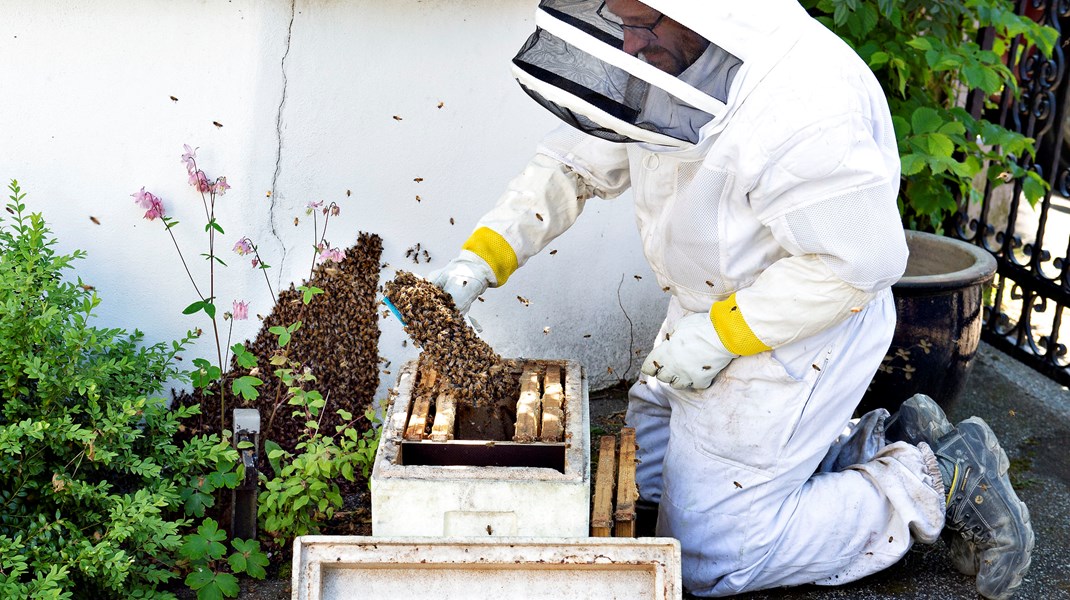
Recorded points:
(575, 66)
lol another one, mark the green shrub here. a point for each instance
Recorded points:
(95, 488)
(926, 56)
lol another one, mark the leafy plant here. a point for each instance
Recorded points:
(304, 491)
(210, 190)
(205, 551)
(926, 55)
(95, 489)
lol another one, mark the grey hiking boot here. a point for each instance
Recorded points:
(995, 537)
(919, 419)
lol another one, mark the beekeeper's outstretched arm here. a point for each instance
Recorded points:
(538, 205)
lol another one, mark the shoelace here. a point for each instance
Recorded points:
(977, 533)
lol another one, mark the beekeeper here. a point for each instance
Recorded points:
(764, 167)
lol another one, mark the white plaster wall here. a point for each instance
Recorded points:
(306, 94)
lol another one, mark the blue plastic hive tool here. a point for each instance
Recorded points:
(471, 320)
(394, 310)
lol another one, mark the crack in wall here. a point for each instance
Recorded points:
(278, 145)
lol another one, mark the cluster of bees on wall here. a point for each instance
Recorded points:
(338, 342)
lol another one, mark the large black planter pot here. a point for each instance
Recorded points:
(938, 330)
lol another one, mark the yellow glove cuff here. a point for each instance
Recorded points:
(492, 247)
(734, 332)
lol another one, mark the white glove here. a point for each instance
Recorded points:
(464, 278)
(691, 357)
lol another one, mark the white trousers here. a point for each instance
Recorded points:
(765, 480)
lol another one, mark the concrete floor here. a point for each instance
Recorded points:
(1031, 415)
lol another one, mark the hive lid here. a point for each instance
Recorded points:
(332, 567)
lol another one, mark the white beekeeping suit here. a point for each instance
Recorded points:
(765, 177)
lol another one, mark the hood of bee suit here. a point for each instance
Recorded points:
(575, 66)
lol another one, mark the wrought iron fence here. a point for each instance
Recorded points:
(1026, 310)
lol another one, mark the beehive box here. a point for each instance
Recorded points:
(331, 568)
(484, 487)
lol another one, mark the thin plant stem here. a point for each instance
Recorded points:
(267, 279)
(315, 246)
(226, 353)
(183, 259)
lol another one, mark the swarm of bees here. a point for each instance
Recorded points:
(338, 341)
(467, 364)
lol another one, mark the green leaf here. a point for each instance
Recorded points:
(920, 43)
(246, 386)
(953, 128)
(248, 558)
(925, 120)
(941, 145)
(192, 308)
(1034, 187)
(274, 451)
(912, 163)
(205, 544)
(209, 309)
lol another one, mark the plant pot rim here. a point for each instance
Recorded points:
(979, 268)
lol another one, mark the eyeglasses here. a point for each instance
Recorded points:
(645, 32)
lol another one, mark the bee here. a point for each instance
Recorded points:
(637, 277)
(666, 288)
(173, 99)
(586, 335)
(397, 118)
(217, 124)
(524, 300)
(95, 220)
(87, 287)
(737, 484)
(417, 197)
(451, 221)
(267, 194)
(441, 104)
(546, 331)
(709, 283)
(538, 216)
(296, 221)
(417, 179)
(553, 252)
(349, 193)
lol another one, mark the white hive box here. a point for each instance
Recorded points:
(351, 567)
(418, 491)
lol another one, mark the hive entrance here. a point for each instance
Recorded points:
(523, 427)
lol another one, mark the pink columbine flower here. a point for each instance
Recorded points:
(241, 310)
(199, 181)
(330, 254)
(244, 246)
(335, 209)
(313, 206)
(220, 186)
(190, 158)
(152, 205)
(256, 262)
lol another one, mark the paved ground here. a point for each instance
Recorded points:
(1031, 415)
